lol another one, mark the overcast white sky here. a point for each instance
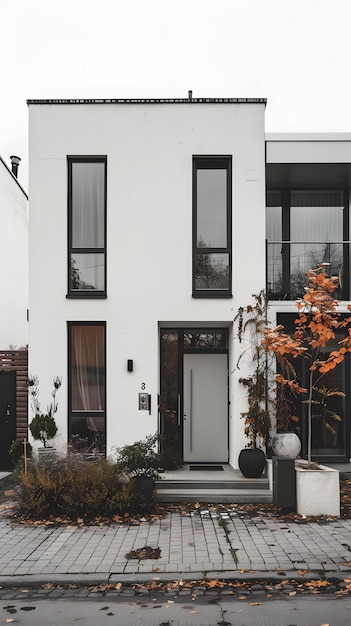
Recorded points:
(295, 53)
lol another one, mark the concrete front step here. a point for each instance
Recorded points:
(209, 495)
(248, 484)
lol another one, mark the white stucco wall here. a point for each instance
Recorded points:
(149, 150)
(13, 261)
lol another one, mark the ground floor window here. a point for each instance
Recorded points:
(87, 386)
(330, 410)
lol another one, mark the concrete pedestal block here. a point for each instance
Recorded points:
(317, 491)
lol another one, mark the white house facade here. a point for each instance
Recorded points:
(13, 309)
(13, 260)
(147, 233)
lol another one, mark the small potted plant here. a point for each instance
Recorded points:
(43, 425)
(140, 461)
(252, 321)
(286, 441)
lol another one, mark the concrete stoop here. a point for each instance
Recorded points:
(219, 491)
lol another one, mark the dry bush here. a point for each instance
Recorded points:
(72, 489)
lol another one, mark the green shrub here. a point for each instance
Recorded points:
(72, 489)
(43, 427)
(139, 458)
(16, 451)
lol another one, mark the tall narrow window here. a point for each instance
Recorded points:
(87, 226)
(212, 200)
(87, 388)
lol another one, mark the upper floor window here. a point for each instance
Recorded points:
(87, 226)
(212, 213)
(303, 229)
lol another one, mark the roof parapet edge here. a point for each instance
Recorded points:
(150, 101)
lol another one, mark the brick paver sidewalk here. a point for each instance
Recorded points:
(201, 542)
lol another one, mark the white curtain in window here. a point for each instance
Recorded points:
(88, 205)
(316, 216)
(212, 208)
(88, 376)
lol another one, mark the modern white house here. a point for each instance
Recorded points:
(13, 309)
(147, 233)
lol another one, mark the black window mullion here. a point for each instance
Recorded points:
(345, 291)
(286, 247)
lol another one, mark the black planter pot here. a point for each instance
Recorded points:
(145, 486)
(252, 462)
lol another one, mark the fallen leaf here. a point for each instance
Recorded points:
(317, 583)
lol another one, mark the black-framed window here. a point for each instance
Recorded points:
(212, 231)
(87, 385)
(306, 227)
(330, 410)
(87, 226)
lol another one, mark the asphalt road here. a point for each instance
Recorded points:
(159, 611)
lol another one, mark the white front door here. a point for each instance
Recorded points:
(205, 404)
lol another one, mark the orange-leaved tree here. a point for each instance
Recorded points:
(316, 325)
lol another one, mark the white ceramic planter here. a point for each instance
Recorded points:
(317, 491)
(46, 455)
(286, 444)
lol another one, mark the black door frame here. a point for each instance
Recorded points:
(181, 332)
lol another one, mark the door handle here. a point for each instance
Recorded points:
(178, 410)
(191, 412)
